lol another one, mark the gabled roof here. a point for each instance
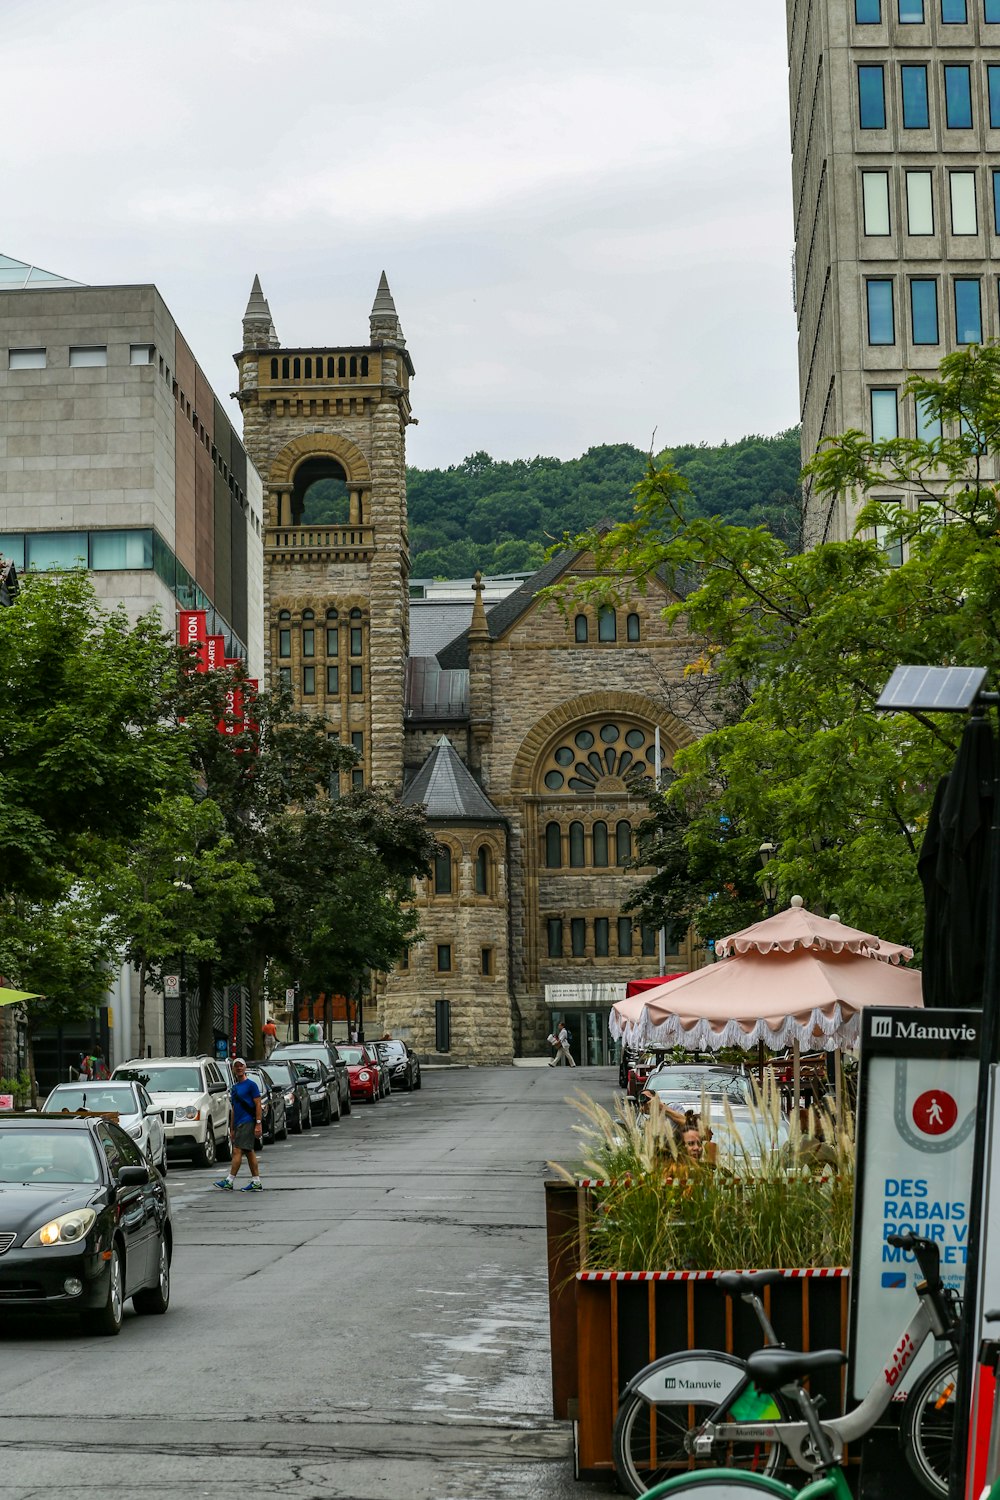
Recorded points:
(15, 275)
(446, 788)
(507, 612)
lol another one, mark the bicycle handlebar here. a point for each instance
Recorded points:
(927, 1252)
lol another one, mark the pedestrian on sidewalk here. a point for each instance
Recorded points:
(269, 1031)
(564, 1057)
(245, 1127)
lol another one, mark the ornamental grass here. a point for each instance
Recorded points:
(785, 1203)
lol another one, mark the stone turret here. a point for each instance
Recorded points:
(258, 326)
(384, 320)
(480, 696)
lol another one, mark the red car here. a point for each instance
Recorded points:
(362, 1072)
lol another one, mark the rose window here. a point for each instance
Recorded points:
(602, 749)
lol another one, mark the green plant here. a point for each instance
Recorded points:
(20, 1087)
(774, 1198)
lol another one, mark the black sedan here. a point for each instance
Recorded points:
(402, 1064)
(324, 1096)
(274, 1123)
(295, 1089)
(84, 1221)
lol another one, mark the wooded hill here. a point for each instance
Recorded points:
(501, 516)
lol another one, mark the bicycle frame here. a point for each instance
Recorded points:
(829, 1486)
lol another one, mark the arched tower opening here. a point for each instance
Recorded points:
(321, 496)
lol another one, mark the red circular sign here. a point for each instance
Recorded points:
(935, 1112)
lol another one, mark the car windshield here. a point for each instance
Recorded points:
(352, 1055)
(281, 1073)
(674, 1082)
(391, 1049)
(30, 1155)
(306, 1069)
(166, 1080)
(103, 1097)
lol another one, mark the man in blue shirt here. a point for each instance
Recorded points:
(245, 1127)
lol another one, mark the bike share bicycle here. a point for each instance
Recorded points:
(709, 1409)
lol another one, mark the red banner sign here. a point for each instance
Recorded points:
(192, 630)
(215, 652)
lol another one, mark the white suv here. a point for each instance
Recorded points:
(193, 1097)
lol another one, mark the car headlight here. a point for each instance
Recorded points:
(62, 1231)
(363, 1077)
(135, 1131)
(290, 1097)
(187, 1112)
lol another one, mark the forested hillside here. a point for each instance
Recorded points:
(501, 516)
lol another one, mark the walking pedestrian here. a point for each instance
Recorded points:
(269, 1031)
(245, 1127)
(564, 1057)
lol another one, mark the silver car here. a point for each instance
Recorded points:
(137, 1114)
(193, 1098)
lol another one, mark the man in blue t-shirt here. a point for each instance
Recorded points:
(245, 1127)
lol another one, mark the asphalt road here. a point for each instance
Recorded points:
(372, 1325)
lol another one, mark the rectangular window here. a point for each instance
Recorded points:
(285, 676)
(26, 359)
(602, 937)
(56, 549)
(12, 548)
(333, 680)
(953, 12)
(442, 873)
(112, 550)
(624, 937)
(885, 422)
(404, 959)
(869, 12)
(924, 310)
(928, 425)
(649, 943)
(444, 958)
(141, 354)
(332, 641)
(992, 12)
(308, 642)
(964, 218)
(919, 203)
(957, 97)
(284, 643)
(355, 640)
(911, 12)
(881, 323)
(357, 779)
(486, 961)
(554, 929)
(871, 97)
(890, 546)
(309, 680)
(85, 355)
(578, 936)
(968, 311)
(916, 110)
(357, 685)
(875, 198)
(996, 202)
(993, 89)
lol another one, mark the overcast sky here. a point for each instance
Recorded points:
(583, 207)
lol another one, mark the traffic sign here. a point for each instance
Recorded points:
(172, 986)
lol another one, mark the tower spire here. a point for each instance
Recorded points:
(384, 320)
(258, 326)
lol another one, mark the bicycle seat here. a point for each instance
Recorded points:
(738, 1283)
(770, 1369)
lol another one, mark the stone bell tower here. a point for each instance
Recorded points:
(326, 427)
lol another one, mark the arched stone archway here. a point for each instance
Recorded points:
(313, 445)
(334, 469)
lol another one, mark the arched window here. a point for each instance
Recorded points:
(341, 367)
(307, 614)
(553, 846)
(600, 845)
(331, 614)
(364, 364)
(331, 368)
(442, 872)
(607, 625)
(274, 369)
(354, 365)
(284, 634)
(632, 627)
(296, 369)
(309, 368)
(284, 369)
(320, 496)
(581, 628)
(357, 648)
(623, 843)
(577, 851)
(483, 863)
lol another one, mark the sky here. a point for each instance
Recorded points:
(583, 208)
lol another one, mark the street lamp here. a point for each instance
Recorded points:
(769, 883)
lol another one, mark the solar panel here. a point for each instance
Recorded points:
(933, 689)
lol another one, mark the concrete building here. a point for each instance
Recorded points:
(527, 735)
(895, 125)
(115, 450)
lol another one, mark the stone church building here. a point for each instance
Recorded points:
(528, 734)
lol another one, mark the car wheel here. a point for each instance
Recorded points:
(156, 1299)
(107, 1320)
(307, 1123)
(337, 1116)
(284, 1127)
(417, 1084)
(225, 1150)
(347, 1105)
(204, 1156)
(163, 1162)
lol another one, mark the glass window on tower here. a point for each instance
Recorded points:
(869, 12)
(993, 87)
(919, 203)
(885, 421)
(964, 215)
(916, 109)
(996, 202)
(871, 97)
(928, 425)
(881, 324)
(875, 198)
(911, 12)
(924, 310)
(954, 12)
(992, 12)
(958, 96)
(968, 311)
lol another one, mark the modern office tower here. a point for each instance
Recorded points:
(895, 119)
(116, 452)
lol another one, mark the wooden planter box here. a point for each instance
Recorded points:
(606, 1325)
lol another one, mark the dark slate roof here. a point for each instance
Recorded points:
(433, 623)
(445, 787)
(434, 694)
(507, 612)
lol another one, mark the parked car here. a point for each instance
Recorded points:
(362, 1069)
(86, 1221)
(683, 1086)
(137, 1114)
(194, 1100)
(324, 1096)
(273, 1119)
(295, 1090)
(325, 1053)
(402, 1062)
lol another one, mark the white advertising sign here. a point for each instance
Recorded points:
(172, 986)
(916, 1116)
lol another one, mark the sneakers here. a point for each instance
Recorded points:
(253, 1186)
(224, 1182)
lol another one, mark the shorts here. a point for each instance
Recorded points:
(243, 1136)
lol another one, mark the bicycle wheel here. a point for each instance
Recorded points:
(928, 1422)
(721, 1484)
(672, 1396)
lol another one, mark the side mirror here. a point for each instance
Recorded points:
(133, 1176)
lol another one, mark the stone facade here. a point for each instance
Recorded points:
(530, 736)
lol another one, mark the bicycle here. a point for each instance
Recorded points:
(704, 1407)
